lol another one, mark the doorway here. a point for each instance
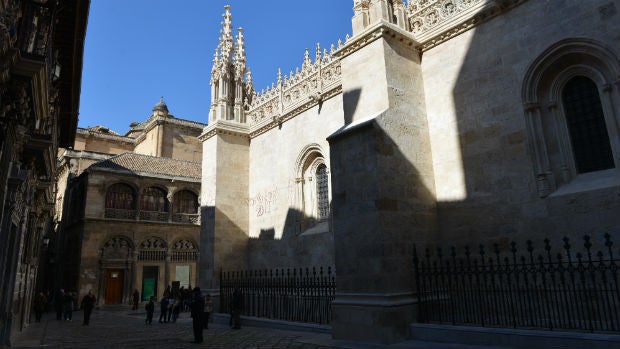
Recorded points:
(114, 286)
(149, 282)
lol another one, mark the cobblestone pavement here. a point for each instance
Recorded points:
(122, 328)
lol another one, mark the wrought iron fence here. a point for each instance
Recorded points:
(300, 295)
(552, 290)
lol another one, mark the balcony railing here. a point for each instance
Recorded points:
(153, 216)
(183, 256)
(120, 213)
(186, 218)
(152, 255)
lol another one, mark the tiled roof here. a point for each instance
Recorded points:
(145, 164)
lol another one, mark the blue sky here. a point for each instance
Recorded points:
(139, 50)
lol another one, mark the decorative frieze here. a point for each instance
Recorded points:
(296, 92)
(434, 21)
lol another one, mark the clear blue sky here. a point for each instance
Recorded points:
(139, 50)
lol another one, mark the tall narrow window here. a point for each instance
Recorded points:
(586, 126)
(153, 199)
(120, 196)
(322, 192)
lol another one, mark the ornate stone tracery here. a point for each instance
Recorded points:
(118, 247)
(434, 21)
(153, 243)
(184, 245)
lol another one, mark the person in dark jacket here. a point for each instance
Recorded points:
(68, 304)
(40, 305)
(163, 309)
(150, 309)
(59, 299)
(197, 308)
(87, 304)
(136, 299)
(236, 306)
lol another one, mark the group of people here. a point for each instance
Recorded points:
(200, 306)
(64, 304)
(171, 305)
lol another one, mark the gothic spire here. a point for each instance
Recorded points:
(240, 56)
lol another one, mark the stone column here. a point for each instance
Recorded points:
(382, 184)
(224, 212)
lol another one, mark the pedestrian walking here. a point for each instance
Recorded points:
(176, 309)
(197, 308)
(236, 306)
(87, 305)
(40, 305)
(207, 312)
(67, 305)
(136, 299)
(170, 307)
(150, 309)
(163, 309)
(59, 299)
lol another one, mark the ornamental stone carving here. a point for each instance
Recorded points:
(184, 245)
(117, 248)
(435, 21)
(152, 243)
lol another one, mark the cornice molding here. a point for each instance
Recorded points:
(225, 127)
(143, 175)
(382, 29)
(117, 138)
(269, 123)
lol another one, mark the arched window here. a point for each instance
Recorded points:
(586, 125)
(311, 193)
(185, 202)
(322, 192)
(120, 196)
(570, 100)
(153, 199)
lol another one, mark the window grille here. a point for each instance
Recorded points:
(322, 192)
(120, 196)
(153, 199)
(185, 202)
(586, 126)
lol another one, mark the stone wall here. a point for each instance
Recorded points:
(486, 187)
(100, 145)
(282, 208)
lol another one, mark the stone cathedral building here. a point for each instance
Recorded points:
(127, 209)
(436, 122)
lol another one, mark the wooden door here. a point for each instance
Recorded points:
(113, 286)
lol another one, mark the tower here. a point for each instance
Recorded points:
(229, 90)
(225, 170)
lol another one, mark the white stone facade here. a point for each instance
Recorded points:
(439, 122)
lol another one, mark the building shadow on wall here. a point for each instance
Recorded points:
(304, 242)
(500, 202)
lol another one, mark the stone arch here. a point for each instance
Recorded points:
(310, 158)
(117, 247)
(116, 200)
(547, 128)
(156, 205)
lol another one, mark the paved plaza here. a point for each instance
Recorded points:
(123, 328)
